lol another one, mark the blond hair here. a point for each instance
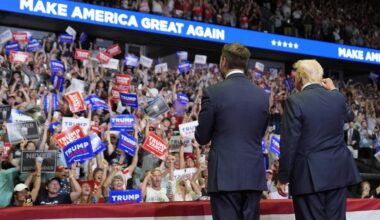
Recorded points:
(309, 70)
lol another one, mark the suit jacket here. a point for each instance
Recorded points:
(355, 137)
(314, 156)
(234, 116)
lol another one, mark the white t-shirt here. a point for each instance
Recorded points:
(153, 195)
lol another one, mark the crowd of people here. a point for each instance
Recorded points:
(180, 174)
(346, 22)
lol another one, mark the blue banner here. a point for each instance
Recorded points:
(275, 146)
(57, 66)
(128, 196)
(97, 144)
(122, 122)
(125, 19)
(182, 98)
(129, 99)
(58, 82)
(83, 37)
(127, 143)
(96, 102)
(11, 46)
(55, 102)
(184, 67)
(66, 39)
(33, 46)
(79, 150)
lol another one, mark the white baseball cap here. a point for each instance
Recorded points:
(20, 187)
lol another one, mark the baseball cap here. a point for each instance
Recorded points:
(20, 187)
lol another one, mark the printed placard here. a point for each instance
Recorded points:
(112, 64)
(184, 67)
(5, 111)
(184, 173)
(182, 55)
(84, 123)
(182, 98)
(57, 66)
(17, 116)
(22, 130)
(259, 66)
(71, 31)
(161, 68)
(200, 59)
(127, 143)
(96, 102)
(103, 57)
(76, 102)
(33, 46)
(145, 61)
(69, 135)
(58, 82)
(187, 130)
(97, 144)
(175, 143)
(156, 107)
(66, 39)
(81, 54)
(122, 122)
(131, 60)
(115, 93)
(6, 36)
(129, 99)
(83, 37)
(79, 150)
(123, 79)
(155, 145)
(274, 146)
(11, 46)
(20, 36)
(28, 160)
(18, 57)
(125, 196)
(54, 100)
(114, 50)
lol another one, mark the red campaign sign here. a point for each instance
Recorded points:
(115, 92)
(20, 36)
(155, 145)
(81, 54)
(7, 151)
(103, 57)
(18, 57)
(123, 79)
(69, 135)
(76, 101)
(114, 50)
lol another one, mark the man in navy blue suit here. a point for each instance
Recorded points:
(314, 158)
(234, 117)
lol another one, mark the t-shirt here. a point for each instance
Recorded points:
(43, 199)
(6, 185)
(153, 195)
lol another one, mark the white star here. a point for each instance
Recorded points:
(290, 45)
(285, 44)
(273, 42)
(279, 43)
(295, 46)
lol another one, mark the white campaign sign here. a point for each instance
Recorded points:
(187, 130)
(71, 31)
(112, 64)
(201, 59)
(184, 172)
(160, 68)
(68, 122)
(259, 66)
(6, 36)
(145, 61)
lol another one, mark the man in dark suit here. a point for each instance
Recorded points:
(352, 136)
(314, 159)
(234, 116)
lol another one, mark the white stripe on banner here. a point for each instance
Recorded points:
(359, 215)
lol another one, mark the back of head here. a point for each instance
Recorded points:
(236, 55)
(310, 71)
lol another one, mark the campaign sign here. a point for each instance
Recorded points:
(68, 122)
(115, 93)
(81, 54)
(175, 143)
(33, 46)
(127, 143)
(200, 59)
(184, 67)
(57, 66)
(54, 100)
(69, 135)
(83, 37)
(66, 39)
(20, 36)
(22, 130)
(97, 144)
(156, 107)
(181, 55)
(128, 196)
(184, 173)
(187, 130)
(145, 61)
(28, 160)
(275, 145)
(182, 98)
(103, 57)
(71, 31)
(76, 102)
(155, 145)
(112, 64)
(53, 126)
(58, 82)
(96, 102)
(17, 116)
(129, 99)
(161, 68)
(122, 122)
(5, 111)
(18, 57)
(11, 46)
(123, 79)
(6, 36)
(131, 60)
(79, 150)
(114, 50)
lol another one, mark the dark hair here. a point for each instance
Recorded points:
(237, 56)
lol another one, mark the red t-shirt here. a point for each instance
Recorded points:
(197, 11)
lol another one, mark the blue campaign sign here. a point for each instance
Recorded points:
(184, 67)
(78, 150)
(275, 145)
(11, 46)
(58, 82)
(53, 126)
(55, 102)
(83, 37)
(96, 102)
(57, 66)
(33, 46)
(182, 98)
(122, 122)
(66, 39)
(129, 196)
(97, 144)
(127, 143)
(111, 17)
(129, 99)
(131, 60)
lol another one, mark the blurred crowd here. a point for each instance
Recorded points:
(30, 87)
(346, 22)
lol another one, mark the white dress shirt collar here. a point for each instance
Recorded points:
(308, 84)
(233, 71)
